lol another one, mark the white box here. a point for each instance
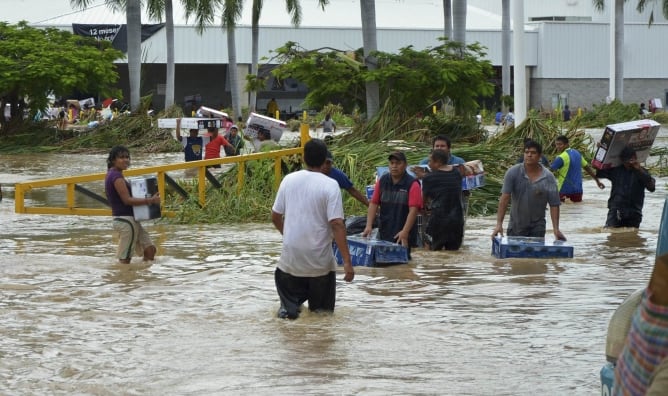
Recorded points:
(256, 122)
(211, 113)
(145, 187)
(639, 134)
(191, 123)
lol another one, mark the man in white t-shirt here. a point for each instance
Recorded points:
(308, 212)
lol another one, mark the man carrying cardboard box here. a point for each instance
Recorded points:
(627, 195)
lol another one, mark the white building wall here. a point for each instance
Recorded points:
(581, 50)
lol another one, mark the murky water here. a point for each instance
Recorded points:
(201, 319)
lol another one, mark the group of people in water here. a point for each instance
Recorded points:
(435, 191)
(306, 269)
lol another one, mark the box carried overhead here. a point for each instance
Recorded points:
(191, 123)
(638, 134)
(256, 122)
(475, 174)
(208, 112)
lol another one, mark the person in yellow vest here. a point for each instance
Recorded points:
(568, 168)
(272, 108)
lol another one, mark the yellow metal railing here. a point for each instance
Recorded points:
(70, 183)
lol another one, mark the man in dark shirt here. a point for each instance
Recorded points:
(442, 194)
(627, 196)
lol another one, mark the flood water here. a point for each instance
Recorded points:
(201, 319)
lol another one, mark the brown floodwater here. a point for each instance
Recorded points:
(201, 319)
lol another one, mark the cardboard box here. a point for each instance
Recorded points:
(211, 113)
(639, 134)
(256, 122)
(191, 123)
(369, 190)
(145, 187)
(372, 252)
(527, 247)
(473, 181)
(468, 182)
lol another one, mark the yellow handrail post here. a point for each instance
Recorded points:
(201, 181)
(161, 187)
(19, 206)
(70, 195)
(304, 135)
(277, 172)
(241, 173)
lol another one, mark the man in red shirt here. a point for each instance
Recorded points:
(212, 149)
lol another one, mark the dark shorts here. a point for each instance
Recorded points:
(293, 291)
(621, 218)
(577, 197)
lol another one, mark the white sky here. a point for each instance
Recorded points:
(339, 13)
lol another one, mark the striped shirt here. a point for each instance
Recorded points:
(646, 347)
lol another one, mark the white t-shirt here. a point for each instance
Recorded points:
(308, 201)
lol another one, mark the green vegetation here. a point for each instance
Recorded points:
(357, 153)
(38, 62)
(411, 79)
(137, 132)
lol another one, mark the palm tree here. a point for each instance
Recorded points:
(133, 15)
(255, 39)
(617, 78)
(231, 13)
(133, 26)
(459, 21)
(204, 12)
(294, 9)
(617, 72)
(368, 12)
(643, 3)
(505, 47)
(155, 9)
(447, 19)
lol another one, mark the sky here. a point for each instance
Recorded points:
(339, 13)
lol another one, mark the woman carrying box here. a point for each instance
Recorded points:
(132, 236)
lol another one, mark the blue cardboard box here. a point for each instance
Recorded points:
(526, 247)
(369, 190)
(371, 252)
(473, 181)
